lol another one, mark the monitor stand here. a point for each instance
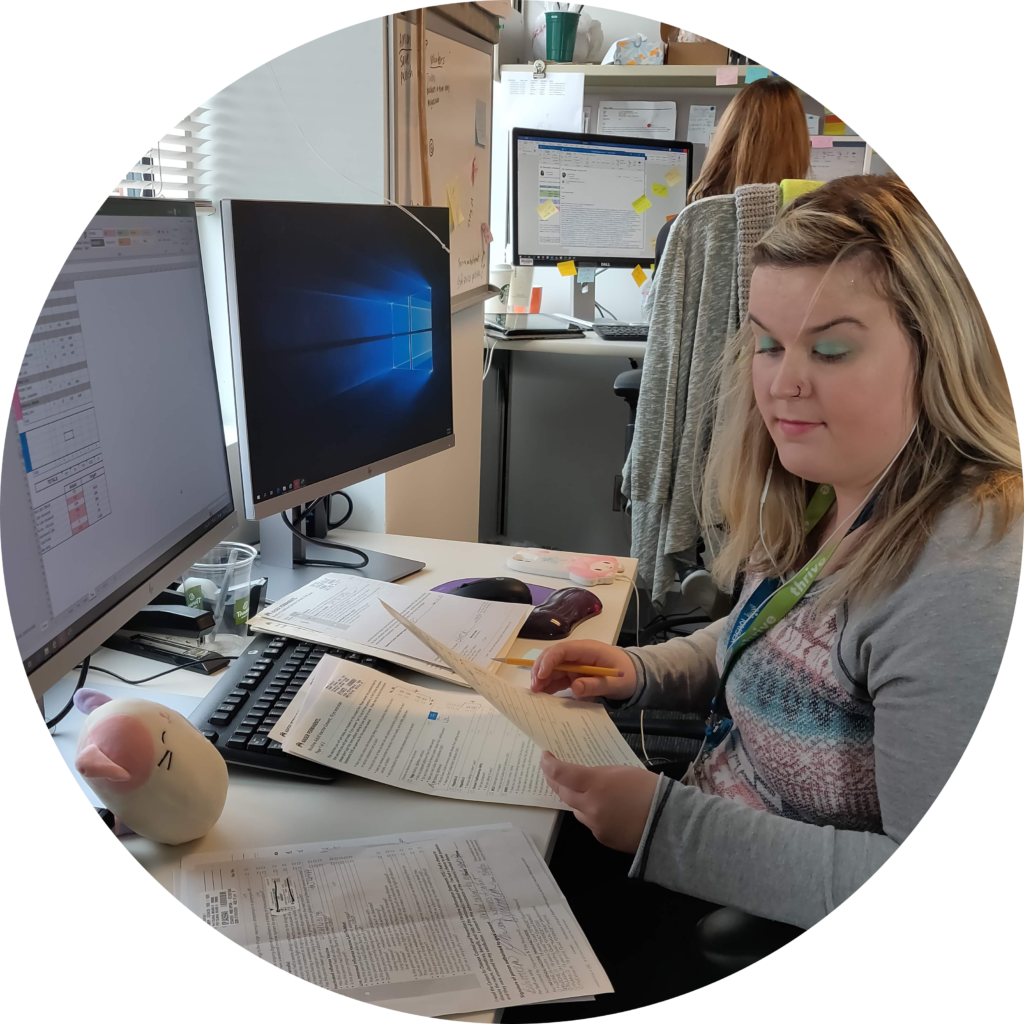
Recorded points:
(282, 549)
(583, 295)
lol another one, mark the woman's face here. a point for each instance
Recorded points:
(833, 373)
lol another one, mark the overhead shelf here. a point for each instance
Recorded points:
(702, 76)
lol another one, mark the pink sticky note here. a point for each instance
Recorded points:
(727, 75)
(821, 142)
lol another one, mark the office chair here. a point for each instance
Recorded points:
(627, 387)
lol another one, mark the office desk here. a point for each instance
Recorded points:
(265, 810)
(589, 345)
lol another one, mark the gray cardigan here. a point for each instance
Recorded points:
(697, 301)
(925, 655)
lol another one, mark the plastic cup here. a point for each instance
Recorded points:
(219, 582)
(561, 34)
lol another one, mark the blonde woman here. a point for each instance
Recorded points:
(870, 462)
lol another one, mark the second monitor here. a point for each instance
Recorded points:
(597, 199)
(340, 320)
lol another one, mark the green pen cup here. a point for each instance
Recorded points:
(561, 34)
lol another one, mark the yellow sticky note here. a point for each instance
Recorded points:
(638, 275)
(547, 209)
(659, 190)
(568, 268)
(641, 204)
(833, 125)
(455, 216)
(673, 177)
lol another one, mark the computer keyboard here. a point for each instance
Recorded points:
(621, 331)
(245, 702)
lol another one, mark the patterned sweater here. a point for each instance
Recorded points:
(846, 727)
(801, 745)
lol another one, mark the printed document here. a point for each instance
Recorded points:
(576, 731)
(345, 611)
(637, 119)
(433, 923)
(456, 745)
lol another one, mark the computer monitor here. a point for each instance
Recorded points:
(340, 320)
(599, 200)
(115, 474)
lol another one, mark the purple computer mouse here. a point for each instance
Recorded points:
(560, 614)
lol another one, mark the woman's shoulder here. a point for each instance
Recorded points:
(971, 537)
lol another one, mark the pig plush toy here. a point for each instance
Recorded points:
(152, 768)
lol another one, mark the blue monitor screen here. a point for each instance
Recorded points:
(344, 333)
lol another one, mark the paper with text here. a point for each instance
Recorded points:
(433, 923)
(345, 611)
(576, 731)
(455, 745)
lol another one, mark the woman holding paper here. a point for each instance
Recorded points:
(844, 695)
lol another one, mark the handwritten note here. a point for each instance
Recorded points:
(659, 190)
(753, 74)
(638, 275)
(701, 123)
(729, 75)
(673, 177)
(567, 268)
(547, 209)
(641, 204)
(485, 231)
(821, 142)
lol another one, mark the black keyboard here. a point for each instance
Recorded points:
(248, 699)
(620, 331)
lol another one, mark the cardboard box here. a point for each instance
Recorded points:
(691, 53)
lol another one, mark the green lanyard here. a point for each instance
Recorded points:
(766, 608)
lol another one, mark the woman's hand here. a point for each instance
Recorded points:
(546, 679)
(613, 802)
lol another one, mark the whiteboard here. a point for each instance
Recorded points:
(459, 82)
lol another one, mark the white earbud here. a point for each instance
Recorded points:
(760, 512)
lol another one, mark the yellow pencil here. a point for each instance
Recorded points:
(580, 670)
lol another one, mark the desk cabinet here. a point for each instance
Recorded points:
(553, 446)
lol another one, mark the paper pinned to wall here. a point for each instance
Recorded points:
(701, 123)
(834, 125)
(480, 124)
(638, 119)
(485, 231)
(553, 103)
(754, 73)
(728, 75)
(812, 123)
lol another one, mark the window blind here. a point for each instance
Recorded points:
(172, 169)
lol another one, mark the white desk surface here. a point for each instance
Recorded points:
(589, 345)
(265, 810)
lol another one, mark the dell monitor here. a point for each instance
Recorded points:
(599, 200)
(115, 473)
(340, 321)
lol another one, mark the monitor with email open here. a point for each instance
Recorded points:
(599, 200)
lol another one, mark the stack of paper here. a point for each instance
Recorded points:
(346, 611)
(487, 747)
(433, 923)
